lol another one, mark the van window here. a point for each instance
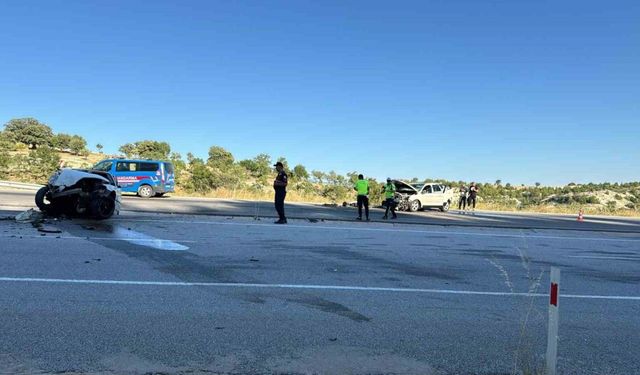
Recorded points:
(148, 167)
(126, 166)
(168, 167)
(104, 166)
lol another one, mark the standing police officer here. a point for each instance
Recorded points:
(362, 187)
(389, 194)
(280, 187)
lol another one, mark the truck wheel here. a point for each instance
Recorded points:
(445, 206)
(145, 191)
(42, 201)
(102, 208)
(414, 205)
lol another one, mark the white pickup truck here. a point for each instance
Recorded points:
(412, 197)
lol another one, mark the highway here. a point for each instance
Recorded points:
(221, 291)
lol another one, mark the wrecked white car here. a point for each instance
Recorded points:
(80, 192)
(413, 197)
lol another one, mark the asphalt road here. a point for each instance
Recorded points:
(190, 206)
(158, 293)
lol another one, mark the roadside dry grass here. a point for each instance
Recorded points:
(559, 209)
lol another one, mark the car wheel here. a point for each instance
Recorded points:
(42, 199)
(414, 205)
(145, 191)
(445, 207)
(102, 208)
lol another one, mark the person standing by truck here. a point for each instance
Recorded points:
(389, 194)
(280, 187)
(473, 195)
(362, 187)
(462, 201)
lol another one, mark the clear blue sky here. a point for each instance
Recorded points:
(522, 91)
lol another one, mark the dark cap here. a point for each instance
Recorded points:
(278, 164)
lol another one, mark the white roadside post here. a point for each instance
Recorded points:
(552, 339)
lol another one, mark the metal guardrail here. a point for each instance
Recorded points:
(20, 185)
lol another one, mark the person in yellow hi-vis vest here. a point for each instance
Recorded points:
(389, 195)
(362, 187)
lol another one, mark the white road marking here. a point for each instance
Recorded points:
(388, 230)
(602, 257)
(50, 236)
(313, 287)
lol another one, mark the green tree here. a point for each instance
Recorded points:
(41, 163)
(498, 182)
(202, 179)
(318, 177)
(61, 141)
(6, 143)
(128, 149)
(99, 147)
(179, 168)
(300, 172)
(146, 150)
(538, 184)
(78, 145)
(29, 131)
(259, 167)
(220, 158)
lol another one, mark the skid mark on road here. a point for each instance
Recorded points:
(328, 307)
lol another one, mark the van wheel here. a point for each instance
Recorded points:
(414, 206)
(145, 191)
(445, 206)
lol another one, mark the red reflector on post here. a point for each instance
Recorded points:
(554, 294)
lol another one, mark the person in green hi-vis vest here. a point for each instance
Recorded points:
(362, 187)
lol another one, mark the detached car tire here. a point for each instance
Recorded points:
(145, 191)
(40, 199)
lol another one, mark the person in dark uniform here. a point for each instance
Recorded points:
(280, 187)
(472, 196)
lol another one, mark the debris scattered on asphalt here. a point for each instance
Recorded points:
(97, 259)
(333, 339)
(29, 216)
(48, 229)
(218, 327)
(88, 227)
(330, 205)
(254, 259)
(7, 218)
(313, 220)
(86, 262)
